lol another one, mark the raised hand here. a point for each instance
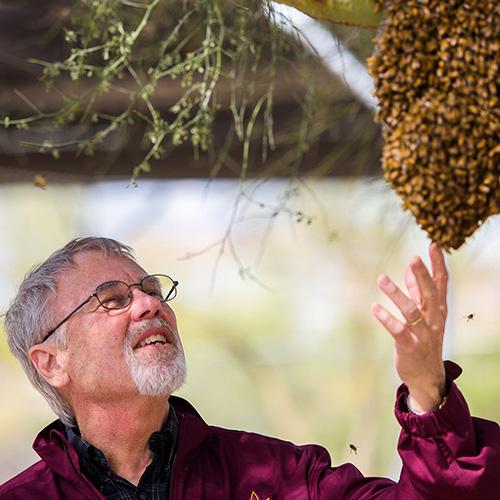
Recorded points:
(418, 354)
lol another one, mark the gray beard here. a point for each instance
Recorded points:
(165, 371)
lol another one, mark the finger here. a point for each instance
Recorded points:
(412, 286)
(395, 327)
(439, 272)
(428, 289)
(407, 306)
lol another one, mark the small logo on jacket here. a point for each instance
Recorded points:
(254, 496)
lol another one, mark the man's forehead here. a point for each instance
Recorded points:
(97, 260)
(93, 268)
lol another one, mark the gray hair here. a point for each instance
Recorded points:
(30, 314)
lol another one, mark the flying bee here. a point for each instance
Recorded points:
(469, 317)
(353, 449)
(40, 181)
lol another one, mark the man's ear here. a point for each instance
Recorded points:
(48, 361)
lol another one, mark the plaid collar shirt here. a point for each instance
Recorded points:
(154, 482)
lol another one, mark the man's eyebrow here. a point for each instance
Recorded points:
(106, 285)
(111, 283)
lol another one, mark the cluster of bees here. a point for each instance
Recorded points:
(435, 69)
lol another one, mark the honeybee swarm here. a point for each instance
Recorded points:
(435, 69)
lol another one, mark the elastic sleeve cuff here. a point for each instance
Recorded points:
(452, 416)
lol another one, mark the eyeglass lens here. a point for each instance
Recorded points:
(117, 294)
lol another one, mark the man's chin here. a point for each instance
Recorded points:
(160, 378)
(157, 369)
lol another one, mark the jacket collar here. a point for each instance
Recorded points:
(193, 429)
(52, 445)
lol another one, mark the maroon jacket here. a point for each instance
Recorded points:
(446, 454)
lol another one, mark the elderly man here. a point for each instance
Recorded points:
(96, 335)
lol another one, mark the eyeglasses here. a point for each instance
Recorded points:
(118, 294)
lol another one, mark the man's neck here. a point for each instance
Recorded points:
(122, 431)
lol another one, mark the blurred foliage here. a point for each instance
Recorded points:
(4, 348)
(301, 359)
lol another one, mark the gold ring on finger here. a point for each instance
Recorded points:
(415, 322)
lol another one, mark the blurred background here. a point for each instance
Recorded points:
(277, 273)
(292, 352)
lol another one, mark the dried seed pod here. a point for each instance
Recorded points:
(435, 70)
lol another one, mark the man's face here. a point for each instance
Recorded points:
(106, 358)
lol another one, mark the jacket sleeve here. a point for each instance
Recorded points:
(446, 454)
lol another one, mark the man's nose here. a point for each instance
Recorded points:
(144, 305)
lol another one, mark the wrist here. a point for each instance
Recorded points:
(424, 401)
(418, 410)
